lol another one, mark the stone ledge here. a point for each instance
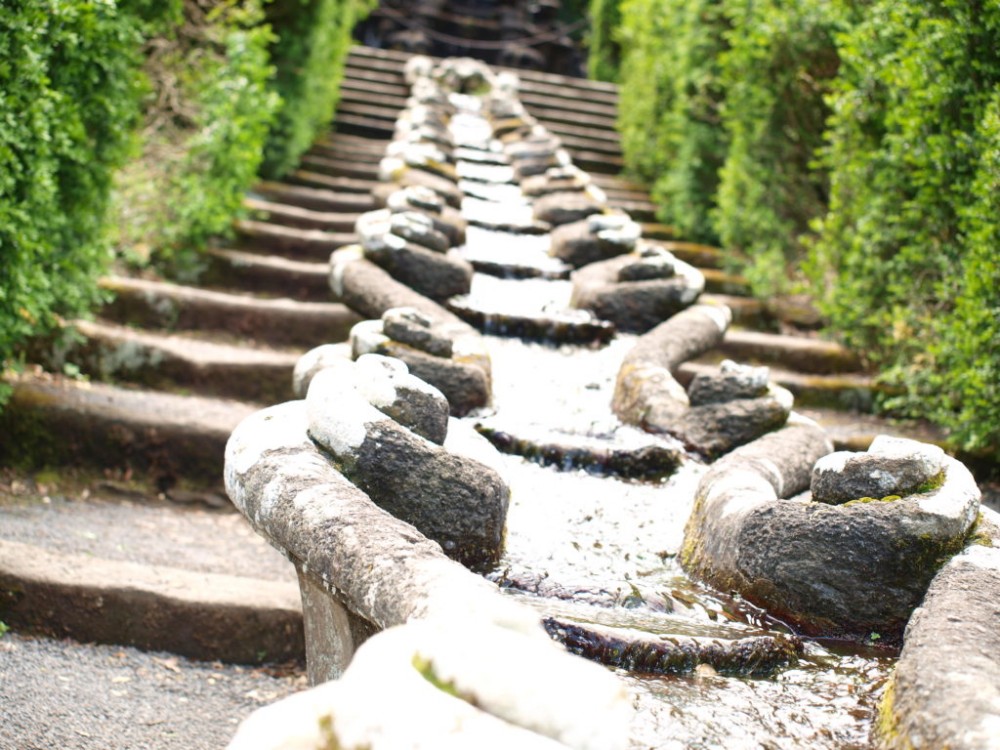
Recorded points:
(207, 616)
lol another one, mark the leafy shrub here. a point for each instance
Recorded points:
(778, 68)
(906, 260)
(206, 119)
(670, 105)
(604, 54)
(313, 38)
(68, 102)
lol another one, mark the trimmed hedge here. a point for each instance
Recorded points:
(906, 262)
(670, 106)
(206, 118)
(69, 92)
(853, 145)
(310, 49)
(604, 53)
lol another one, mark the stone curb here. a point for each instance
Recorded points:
(945, 691)
(206, 616)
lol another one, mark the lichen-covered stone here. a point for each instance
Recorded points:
(566, 207)
(457, 502)
(732, 381)
(598, 237)
(635, 306)
(890, 467)
(837, 570)
(409, 326)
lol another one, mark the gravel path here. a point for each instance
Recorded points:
(65, 695)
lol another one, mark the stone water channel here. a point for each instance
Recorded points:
(595, 527)
(607, 546)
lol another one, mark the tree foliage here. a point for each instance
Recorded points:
(906, 258)
(603, 50)
(670, 105)
(69, 89)
(310, 48)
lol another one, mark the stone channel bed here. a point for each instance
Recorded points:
(593, 539)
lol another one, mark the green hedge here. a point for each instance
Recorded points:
(849, 144)
(310, 49)
(69, 92)
(776, 72)
(206, 119)
(604, 53)
(906, 260)
(670, 105)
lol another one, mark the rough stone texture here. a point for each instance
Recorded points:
(809, 355)
(848, 570)
(379, 567)
(892, 466)
(408, 326)
(457, 502)
(946, 688)
(645, 460)
(386, 384)
(582, 242)
(564, 208)
(646, 375)
(732, 381)
(555, 180)
(406, 176)
(427, 272)
(569, 326)
(165, 435)
(649, 654)
(716, 428)
(201, 615)
(314, 360)
(283, 322)
(446, 219)
(451, 688)
(419, 229)
(634, 305)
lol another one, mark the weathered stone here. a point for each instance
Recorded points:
(892, 466)
(568, 326)
(564, 207)
(635, 305)
(397, 171)
(432, 274)
(463, 380)
(418, 228)
(732, 381)
(457, 502)
(645, 380)
(515, 689)
(556, 179)
(836, 570)
(581, 242)
(750, 655)
(446, 219)
(314, 360)
(653, 263)
(636, 460)
(408, 326)
(945, 691)
(716, 428)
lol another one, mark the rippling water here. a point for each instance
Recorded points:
(620, 537)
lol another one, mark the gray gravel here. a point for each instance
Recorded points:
(65, 695)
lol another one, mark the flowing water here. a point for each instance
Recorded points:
(591, 548)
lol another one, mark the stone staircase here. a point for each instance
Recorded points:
(166, 371)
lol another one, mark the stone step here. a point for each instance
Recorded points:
(347, 152)
(173, 362)
(301, 244)
(172, 439)
(368, 89)
(805, 355)
(290, 215)
(854, 432)
(231, 269)
(335, 167)
(277, 322)
(368, 127)
(313, 198)
(343, 185)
